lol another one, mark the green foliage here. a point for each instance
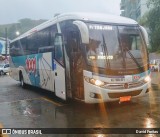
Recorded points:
(144, 20)
(22, 26)
(153, 3)
(154, 24)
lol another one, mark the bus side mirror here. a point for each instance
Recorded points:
(145, 34)
(83, 30)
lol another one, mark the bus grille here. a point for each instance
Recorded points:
(121, 85)
(123, 94)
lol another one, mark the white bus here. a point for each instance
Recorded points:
(89, 57)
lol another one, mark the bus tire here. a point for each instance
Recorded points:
(22, 83)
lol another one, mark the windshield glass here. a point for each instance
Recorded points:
(132, 47)
(115, 47)
(1, 66)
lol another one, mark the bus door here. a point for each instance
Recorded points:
(77, 65)
(59, 68)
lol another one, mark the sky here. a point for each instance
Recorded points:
(13, 10)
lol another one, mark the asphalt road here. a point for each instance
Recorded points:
(35, 108)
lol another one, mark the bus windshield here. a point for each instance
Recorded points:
(115, 47)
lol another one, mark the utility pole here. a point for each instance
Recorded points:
(6, 45)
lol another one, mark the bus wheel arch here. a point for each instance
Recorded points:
(21, 79)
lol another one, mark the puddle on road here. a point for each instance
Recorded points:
(41, 113)
(27, 113)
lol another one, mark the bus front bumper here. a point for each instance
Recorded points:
(94, 94)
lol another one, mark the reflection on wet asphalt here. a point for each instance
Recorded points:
(34, 109)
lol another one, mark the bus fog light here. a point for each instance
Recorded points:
(95, 95)
(147, 79)
(92, 95)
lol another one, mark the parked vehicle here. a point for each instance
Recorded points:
(154, 65)
(4, 68)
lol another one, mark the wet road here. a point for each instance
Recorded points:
(34, 108)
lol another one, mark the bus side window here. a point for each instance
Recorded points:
(53, 31)
(74, 46)
(73, 42)
(46, 49)
(15, 49)
(58, 49)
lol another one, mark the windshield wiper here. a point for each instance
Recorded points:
(133, 58)
(105, 48)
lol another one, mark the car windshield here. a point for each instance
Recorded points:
(115, 47)
(1, 66)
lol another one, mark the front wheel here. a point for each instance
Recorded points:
(1, 72)
(22, 83)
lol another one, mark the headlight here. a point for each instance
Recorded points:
(95, 82)
(147, 79)
(99, 83)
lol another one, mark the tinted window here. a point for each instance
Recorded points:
(6, 66)
(16, 49)
(32, 44)
(35, 42)
(58, 49)
(46, 49)
(53, 31)
(43, 38)
(23, 43)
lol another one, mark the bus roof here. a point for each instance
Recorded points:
(92, 17)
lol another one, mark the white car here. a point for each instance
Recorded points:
(4, 68)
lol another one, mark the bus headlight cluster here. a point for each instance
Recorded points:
(95, 81)
(147, 79)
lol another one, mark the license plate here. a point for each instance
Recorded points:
(117, 79)
(125, 99)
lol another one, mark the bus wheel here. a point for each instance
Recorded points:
(23, 85)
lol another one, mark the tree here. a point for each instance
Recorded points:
(153, 3)
(143, 21)
(22, 26)
(153, 19)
